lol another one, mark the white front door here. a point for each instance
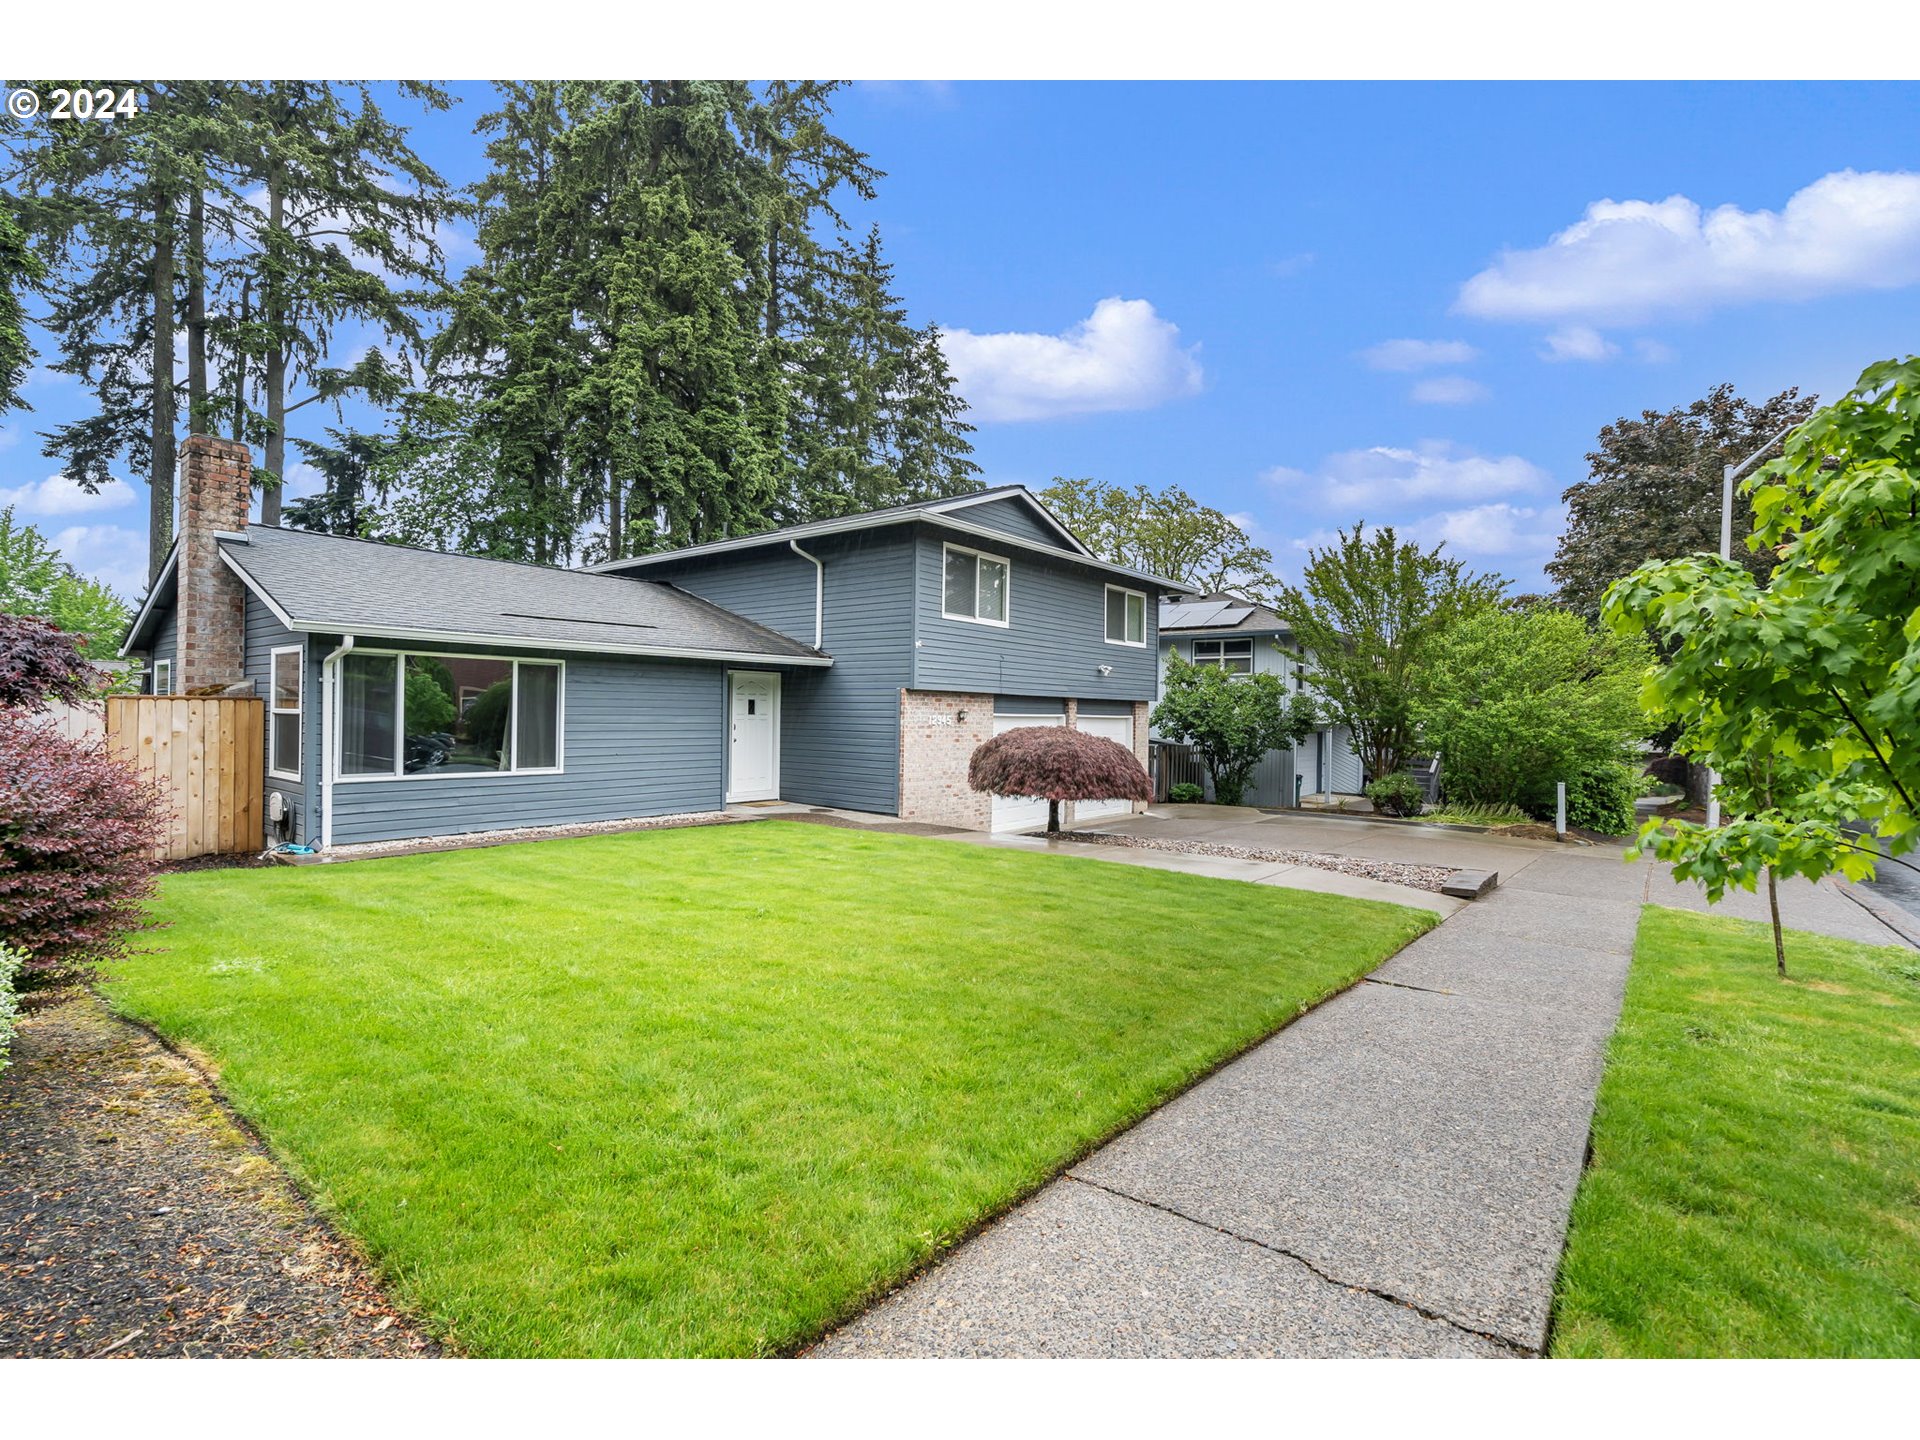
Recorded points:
(1118, 728)
(753, 741)
(1019, 812)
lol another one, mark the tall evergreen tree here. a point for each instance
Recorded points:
(344, 227)
(20, 270)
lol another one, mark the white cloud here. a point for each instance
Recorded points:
(1390, 475)
(1578, 342)
(1496, 531)
(1448, 390)
(111, 554)
(1121, 357)
(1626, 261)
(57, 495)
(1653, 352)
(1287, 266)
(1418, 354)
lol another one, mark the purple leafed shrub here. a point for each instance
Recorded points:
(40, 662)
(77, 837)
(1055, 764)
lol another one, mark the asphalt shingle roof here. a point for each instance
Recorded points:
(335, 584)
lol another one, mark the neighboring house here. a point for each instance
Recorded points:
(853, 663)
(1243, 638)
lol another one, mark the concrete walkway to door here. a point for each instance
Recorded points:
(1388, 1176)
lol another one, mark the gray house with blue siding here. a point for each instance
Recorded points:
(853, 663)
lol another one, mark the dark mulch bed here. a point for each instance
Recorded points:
(137, 1219)
(251, 860)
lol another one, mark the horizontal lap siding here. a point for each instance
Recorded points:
(643, 737)
(166, 642)
(839, 727)
(263, 634)
(1054, 645)
(1015, 517)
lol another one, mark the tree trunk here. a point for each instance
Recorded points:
(616, 520)
(1053, 817)
(276, 376)
(160, 478)
(240, 362)
(1779, 940)
(199, 415)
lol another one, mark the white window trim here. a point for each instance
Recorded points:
(1139, 595)
(274, 767)
(1221, 663)
(978, 556)
(162, 667)
(336, 743)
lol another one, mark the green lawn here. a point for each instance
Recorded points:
(1755, 1186)
(705, 1091)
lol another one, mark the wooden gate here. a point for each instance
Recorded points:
(208, 756)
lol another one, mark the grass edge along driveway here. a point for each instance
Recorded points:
(707, 1091)
(1754, 1188)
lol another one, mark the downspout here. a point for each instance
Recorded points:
(329, 750)
(819, 591)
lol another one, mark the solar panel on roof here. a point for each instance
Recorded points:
(1232, 615)
(1176, 616)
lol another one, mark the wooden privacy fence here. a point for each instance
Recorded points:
(207, 755)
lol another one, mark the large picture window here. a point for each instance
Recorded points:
(434, 715)
(283, 709)
(975, 587)
(1126, 617)
(1233, 656)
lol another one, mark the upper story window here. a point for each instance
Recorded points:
(1126, 617)
(283, 705)
(432, 715)
(1233, 656)
(975, 586)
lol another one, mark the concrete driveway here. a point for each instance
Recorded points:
(1335, 834)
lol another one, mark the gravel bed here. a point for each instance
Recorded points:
(1393, 872)
(138, 1219)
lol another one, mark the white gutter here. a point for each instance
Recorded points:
(819, 591)
(329, 751)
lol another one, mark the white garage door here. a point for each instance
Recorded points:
(1020, 813)
(1108, 727)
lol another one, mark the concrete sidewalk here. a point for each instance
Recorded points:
(1390, 1175)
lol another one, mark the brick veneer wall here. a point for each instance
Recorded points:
(216, 488)
(935, 745)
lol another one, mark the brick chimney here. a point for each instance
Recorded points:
(216, 488)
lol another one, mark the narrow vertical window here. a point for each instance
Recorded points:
(283, 707)
(163, 677)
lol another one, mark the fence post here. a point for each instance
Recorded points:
(1560, 811)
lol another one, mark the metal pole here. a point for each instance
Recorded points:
(1560, 811)
(1728, 474)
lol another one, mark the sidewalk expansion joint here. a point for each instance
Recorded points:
(1526, 1352)
(1402, 985)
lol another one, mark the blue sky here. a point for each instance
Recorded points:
(1309, 303)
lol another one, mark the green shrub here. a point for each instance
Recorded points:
(1231, 721)
(1521, 699)
(1601, 799)
(11, 961)
(1397, 794)
(1186, 793)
